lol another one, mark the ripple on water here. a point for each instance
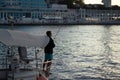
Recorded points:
(83, 52)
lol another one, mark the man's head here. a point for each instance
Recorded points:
(48, 33)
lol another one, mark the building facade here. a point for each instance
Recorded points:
(21, 8)
(38, 12)
(23, 3)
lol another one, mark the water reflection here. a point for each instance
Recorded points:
(84, 52)
(90, 52)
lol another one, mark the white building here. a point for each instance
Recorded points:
(107, 3)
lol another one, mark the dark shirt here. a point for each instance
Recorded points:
(49, 47)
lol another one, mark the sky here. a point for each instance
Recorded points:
(114, 2)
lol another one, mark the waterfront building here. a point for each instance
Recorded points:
(40, 12)
(21, 8)
(102, 16)
(34, 11)
(23, 3)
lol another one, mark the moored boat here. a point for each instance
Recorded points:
(16, 64)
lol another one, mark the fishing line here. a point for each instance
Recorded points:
(57, 33)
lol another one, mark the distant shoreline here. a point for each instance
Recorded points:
(31, 24)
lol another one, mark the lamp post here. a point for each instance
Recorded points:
(11, 21)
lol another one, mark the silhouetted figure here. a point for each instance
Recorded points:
(48, 53)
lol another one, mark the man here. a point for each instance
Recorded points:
(48, 52)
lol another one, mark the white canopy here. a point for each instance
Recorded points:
(19, 38)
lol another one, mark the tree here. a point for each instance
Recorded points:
(72, 3)
(78, 3)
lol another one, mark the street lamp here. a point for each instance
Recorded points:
(11, 21)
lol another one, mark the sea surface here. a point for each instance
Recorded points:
(82, 52)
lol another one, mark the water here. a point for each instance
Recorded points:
(83, 52)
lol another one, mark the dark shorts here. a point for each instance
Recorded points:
(48, 56)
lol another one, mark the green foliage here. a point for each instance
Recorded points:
(72, 3)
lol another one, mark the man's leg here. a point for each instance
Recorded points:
(49, 65)
(44, 65)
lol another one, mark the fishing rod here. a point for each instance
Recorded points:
(57, 33)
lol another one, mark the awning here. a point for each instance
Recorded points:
(20, 38)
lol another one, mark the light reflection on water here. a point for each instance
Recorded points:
(89, 52)
(83, 52)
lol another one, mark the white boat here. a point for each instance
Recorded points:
(17, 65)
